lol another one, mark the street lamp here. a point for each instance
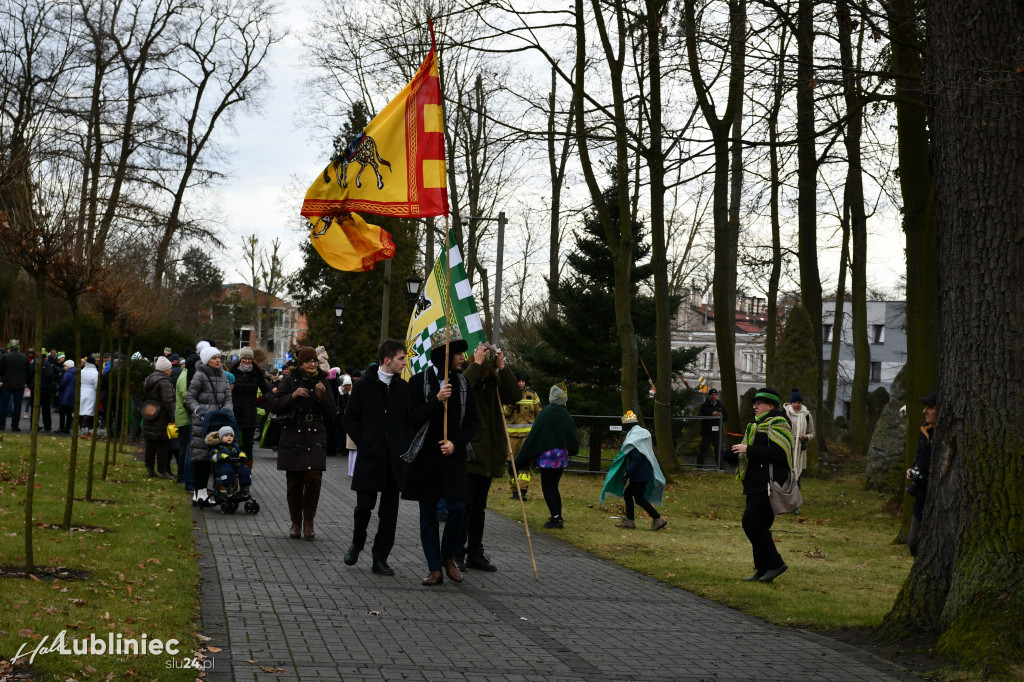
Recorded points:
(496, 334)
(338, 310)
(412, 288)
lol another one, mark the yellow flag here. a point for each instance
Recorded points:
(347, 242)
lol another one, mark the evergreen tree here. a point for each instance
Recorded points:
(580, 345)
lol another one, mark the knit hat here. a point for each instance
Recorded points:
(767, 395)
(795, 397)
(346, 380)
(201, 345)
(558, 394)
(91, 360)
(245, 353)
(630, 418)
(304, 354)
(162, 364)
(713, 391)
(14, 344)
(167, 350)
(174, 358)
(68, 364)
(225, 430)
(333, 374)
(207, 354)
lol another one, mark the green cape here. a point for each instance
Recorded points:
(639, 438)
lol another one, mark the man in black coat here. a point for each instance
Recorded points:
(710, 428)
(437, 461)
(375, 418)
(14, 376)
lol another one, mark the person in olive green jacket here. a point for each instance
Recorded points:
(491, 384)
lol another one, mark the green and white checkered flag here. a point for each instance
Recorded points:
(431, 309)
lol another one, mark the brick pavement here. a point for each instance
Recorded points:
(271, 601)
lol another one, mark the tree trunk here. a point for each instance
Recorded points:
(966, 583)
(659, 258)
(107, 411)
(853, 199)
(828, 418)
(807, 174)
(918, 193)
(33, 450)
(124, 399)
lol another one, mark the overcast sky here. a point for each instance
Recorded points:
(272, 161)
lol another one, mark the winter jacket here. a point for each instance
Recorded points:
(223, 452)
(90, 382)
(521, 416)
(432, 475)
(802, 423)
(769, 440)
(67, 387)
(553, 430)
(14, 370)
(708, 427)
(208, 391)
(303, 441)
(245, 391)
(158, 388)
(490, 445)
(375, 419)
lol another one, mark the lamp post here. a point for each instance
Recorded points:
(496, 333)
(413, 283)
(338, 310)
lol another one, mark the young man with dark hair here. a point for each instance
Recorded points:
(375, 418)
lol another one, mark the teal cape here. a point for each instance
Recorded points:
(639, 438)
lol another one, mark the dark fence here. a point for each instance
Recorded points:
(601, 437)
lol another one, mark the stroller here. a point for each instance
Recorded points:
(229, 500)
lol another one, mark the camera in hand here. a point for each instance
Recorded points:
(916, 480)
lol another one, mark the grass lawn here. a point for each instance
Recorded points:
(844, 570)
(133, 569)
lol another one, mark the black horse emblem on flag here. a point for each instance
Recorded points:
(362, 150)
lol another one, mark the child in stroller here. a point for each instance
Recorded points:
(231, 473)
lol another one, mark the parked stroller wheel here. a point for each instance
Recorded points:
(224, 507)
(248, 508)
(255, 507)
(233, 506)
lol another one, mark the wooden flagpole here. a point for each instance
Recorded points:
(522, 505)
(447, 320)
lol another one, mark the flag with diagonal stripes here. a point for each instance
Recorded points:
(434, 308)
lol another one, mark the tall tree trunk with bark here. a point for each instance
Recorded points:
(807, 174)
(853, 200)
(966, 584)
(726, 230)
(918, 192)
(654, 11)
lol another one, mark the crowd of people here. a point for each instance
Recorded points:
(439, 439)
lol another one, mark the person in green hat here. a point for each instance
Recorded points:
(767, 440)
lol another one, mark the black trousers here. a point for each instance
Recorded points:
(708, 441)
(248, 443)
(200, 474)
(636, 493)
(65, 417)
(758, 518)
(549, 479)
(157, 455)
(387, 518)
(476, 503)
(45, 401)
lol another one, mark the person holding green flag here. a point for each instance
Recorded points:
(635, 475)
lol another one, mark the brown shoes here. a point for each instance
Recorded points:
(307, 529)
(435, 578)
(453, 572)
(295, 532)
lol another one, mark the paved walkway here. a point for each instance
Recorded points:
(293, 608)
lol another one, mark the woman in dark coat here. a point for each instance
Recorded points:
(302, 448)
(159, 389)
(250, 381)
(67, 396)
(208, 391)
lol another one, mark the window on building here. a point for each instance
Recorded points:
(878, 333)
(827, 332)
(876, 371)
(707, 361)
